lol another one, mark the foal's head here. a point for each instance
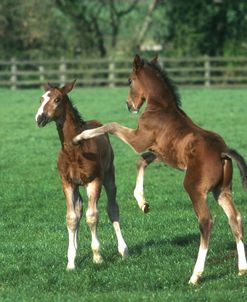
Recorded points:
(137, 82)
(52, 103)
(149, 82)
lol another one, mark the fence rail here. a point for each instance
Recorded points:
(201, 71)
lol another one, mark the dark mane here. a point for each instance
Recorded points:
(170, 83)
(75, 111)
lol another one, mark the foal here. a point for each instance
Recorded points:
(89, 164)
(170, 136)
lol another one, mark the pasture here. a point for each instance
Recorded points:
(163, 244)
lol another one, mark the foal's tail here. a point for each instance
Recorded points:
(233, 154)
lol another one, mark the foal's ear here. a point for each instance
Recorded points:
(155, 59)
(47, 86)
(68, 87)
(138, 63)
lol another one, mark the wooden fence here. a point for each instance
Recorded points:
(203, 71)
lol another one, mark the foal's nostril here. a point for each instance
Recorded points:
(41, 120)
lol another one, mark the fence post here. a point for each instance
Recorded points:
(206, 71)
(62, 70)
(41, 75)
(111, 73)
(13, 78)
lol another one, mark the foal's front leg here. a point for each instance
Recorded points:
(139, 140)
(73, 217)
(93, 192)
(145, 159)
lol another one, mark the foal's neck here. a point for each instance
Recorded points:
(69, 125)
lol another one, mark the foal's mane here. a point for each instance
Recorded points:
(169, 82)
(74, 110)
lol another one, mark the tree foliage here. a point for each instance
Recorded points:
(212, 27)
(70, 28)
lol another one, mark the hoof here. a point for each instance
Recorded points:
(242, 272)
(195, 278)
(124, 253)
(70, 268)
(145, 208)
(98, 259)
(75, 141)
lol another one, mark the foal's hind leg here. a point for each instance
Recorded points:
(223, 195)
(93, 193)
(145, 159)
(199, 200)
(225, 201)
(73, 217)
(113, 210)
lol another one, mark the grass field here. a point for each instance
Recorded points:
(163, 244)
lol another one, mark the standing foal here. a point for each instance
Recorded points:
(89, 164)
(170, 136)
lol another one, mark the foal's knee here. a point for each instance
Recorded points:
(72, 221)
(235, 223)
(92, 217)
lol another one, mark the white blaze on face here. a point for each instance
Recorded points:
(41, 108)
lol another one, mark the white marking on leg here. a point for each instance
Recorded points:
(72, 249)
(122, 246)
(86, 134)
(199, 266)
(138, 191)
(92, 217)
(242, 264)
(41, 108)
(96, 249)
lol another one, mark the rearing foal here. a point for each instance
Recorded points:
(89, 164)
(170, 136)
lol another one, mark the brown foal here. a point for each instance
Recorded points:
(89, 164)
(169, 135)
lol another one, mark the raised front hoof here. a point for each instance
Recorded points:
(195, 278)
(145, 208)
(242, 272)
(76, 141)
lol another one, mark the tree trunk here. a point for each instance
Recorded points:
(145, 26)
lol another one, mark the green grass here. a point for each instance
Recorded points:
(163, 244)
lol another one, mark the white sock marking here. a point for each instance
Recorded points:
(242, 264)
(138, 191)
(72, 248)
(199, 266)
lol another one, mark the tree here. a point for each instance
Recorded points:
(202, 27)
(97, 21)
(145, 26)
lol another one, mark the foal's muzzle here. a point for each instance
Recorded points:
(42, 120)
(131, 109)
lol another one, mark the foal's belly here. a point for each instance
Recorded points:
(171, 158)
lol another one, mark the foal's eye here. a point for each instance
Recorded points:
(57, 100)
(129, 81)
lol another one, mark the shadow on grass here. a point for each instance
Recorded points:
(185, 240)
(138, 249)
(176, 241)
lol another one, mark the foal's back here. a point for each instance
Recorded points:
(179, 141)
